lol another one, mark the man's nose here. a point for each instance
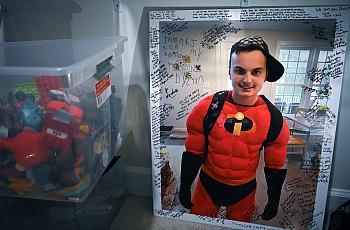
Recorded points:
(248, 77)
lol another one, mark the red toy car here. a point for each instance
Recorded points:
(61, 124)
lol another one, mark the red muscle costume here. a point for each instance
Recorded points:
(233, 155)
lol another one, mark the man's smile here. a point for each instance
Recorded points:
(246, 86)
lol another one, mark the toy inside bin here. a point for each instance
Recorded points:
(55, 138)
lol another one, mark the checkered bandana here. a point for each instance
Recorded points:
(255, 40)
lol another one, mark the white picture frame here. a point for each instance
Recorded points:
(188, 46)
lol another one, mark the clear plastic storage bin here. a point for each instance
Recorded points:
(60, 115)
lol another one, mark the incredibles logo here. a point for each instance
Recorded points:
(236, 123)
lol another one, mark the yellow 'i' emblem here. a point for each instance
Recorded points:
(238, 126)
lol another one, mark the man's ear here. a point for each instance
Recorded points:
(267, 74)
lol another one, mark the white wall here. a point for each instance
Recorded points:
(34, 20)
(55, 19)
(97, 18)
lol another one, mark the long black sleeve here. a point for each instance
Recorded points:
(274, 181)
(190, 165)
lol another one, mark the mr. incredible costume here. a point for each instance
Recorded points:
(229, 160)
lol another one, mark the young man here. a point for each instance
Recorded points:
(229, 161)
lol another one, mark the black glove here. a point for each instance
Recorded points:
(274, 181)
(190, 165)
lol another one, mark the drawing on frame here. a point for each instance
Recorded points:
(189, 61)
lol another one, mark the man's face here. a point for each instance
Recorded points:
(248, 73)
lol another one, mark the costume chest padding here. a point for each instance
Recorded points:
(231, 155)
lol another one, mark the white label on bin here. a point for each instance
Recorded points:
(103, 90)
(4, 132)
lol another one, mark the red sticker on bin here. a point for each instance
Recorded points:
(103, 90)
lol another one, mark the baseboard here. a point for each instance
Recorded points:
(340, 193)
(138, 181)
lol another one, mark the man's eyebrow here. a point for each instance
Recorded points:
(239, 67)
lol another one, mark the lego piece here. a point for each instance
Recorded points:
(45, 84)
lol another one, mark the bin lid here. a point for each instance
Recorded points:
(57, 57)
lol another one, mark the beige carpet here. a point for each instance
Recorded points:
(136, 214)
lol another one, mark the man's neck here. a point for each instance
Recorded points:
(246, 101)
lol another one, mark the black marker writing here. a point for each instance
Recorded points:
(274, 14)
(170, 28)
(153, 37)
(156, 96)
(216, 34)
(170, 93)
(179, 42)
(154, 58)
(160, 76)
(221, 14)
(319, 32)
(167, 109)
(187, 103)
(172, 214)
(163, 15)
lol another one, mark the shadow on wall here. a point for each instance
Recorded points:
(138, 164)
(38, 20)
(138, 142)
(137, 102)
